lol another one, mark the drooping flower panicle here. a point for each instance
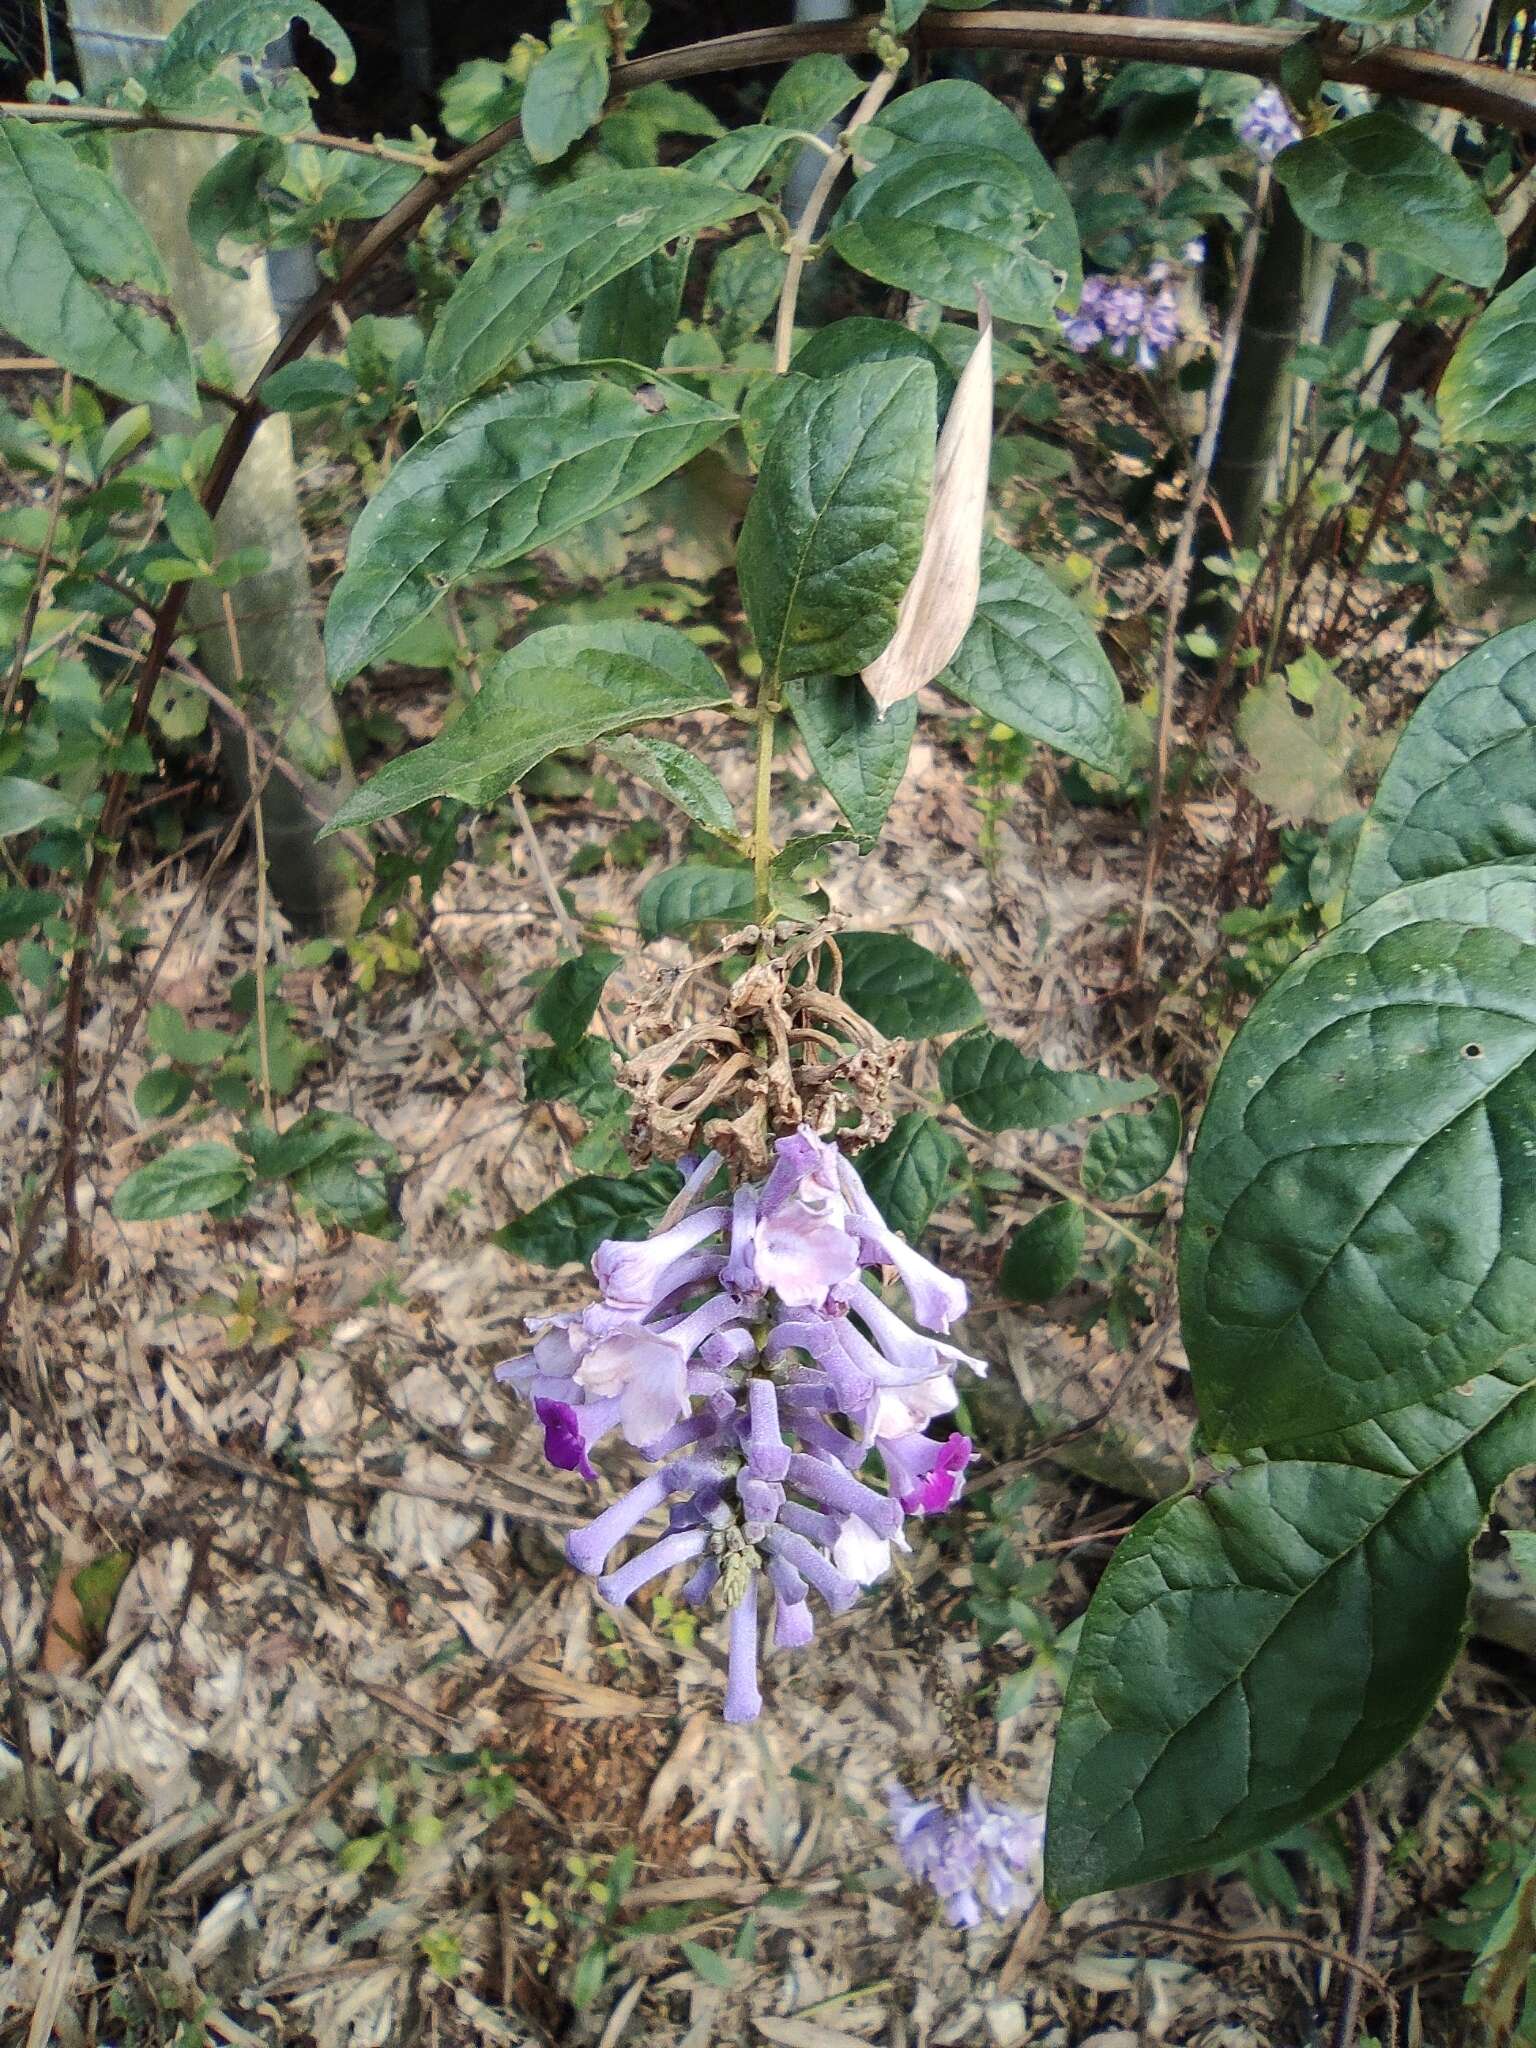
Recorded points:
(741, 1351)
(979, 1854)
(1267, 124)
(1142, 317)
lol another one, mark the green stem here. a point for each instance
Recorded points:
(765, 712)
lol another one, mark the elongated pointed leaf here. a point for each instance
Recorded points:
(80, 279)
(181, 1183)
(1460, 789)
(903, 989)
(1044, 1254)
(947, 223)
(1255, 1651)
(1033, 661)
(562, 687)
(832, 536)
(573, 1222)
(1376, 179)
(1362, 1196)
(692, 786)
(859, 755)
(508, 474)
(551, 258)
(696, 893)
(1488, 392)
(565, 93)
(998, 1088)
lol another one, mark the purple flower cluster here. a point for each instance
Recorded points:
(1142, 316)
(741, 1351)
(1267, 124)
(981, 1847)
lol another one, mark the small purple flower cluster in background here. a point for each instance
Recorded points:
(741, 1352)
(1142, 316)
(980, 1851)
(1267, 124)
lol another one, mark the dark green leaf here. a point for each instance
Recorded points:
(589, 1973)
(948, 224)
(97, 1586)
(860, 339)
(561, 687)
(231, 202)
(169, 1034)
(1460, 789)
(907, 1173)
(632, 316)
(744, 288)
(499, 478)
(1362, 1192)
(312, 381)
(1032, 661)
(1257, 1650)
(665, 766)
(80, 279)
(1488, 392)
(23, 910)
(568, 1001)
(679, 898)
(935, 116)
(575, 1220)
(550, 258)
(1376, 179)
(835, 528)
(182, 1183)
(1366, 10)
(1126, 1154)
(742, 156)
(860, 756)
(998, 1088)
(581, 1074)
(903, 989)
(213, 31)
(762, 407)
(1043, 1256)
(565, 92)
(161, 1092)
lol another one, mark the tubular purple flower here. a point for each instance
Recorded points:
(937, 1298)
(588, 1548)
(1267, 124)
(739, 1273)
(830, 1486)
(743, 1700)
(835, 1587)
(634, 1275)
(925, 1475)
(680, 1547)
(564, 1445)
(768, 1455)
(984, 1843)
(911, 1356)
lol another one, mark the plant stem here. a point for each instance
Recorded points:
(766, 711)
(83, 116)
(1183, 558)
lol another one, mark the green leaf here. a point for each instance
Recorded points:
(213, 31)
(947, 224)
(743, 155)
(743, 289)
(695, 893)
(1255, 1651)
(588, 1976)
(933, 117)
(311, 382)
(1302, 759)
(169, 1034)
(692, 786)
(181, 1183)
(232, 202)
(561, 687)
(161, 1092)
(25, 805)
(549, 259)
(860, 756)
(1488, 392)
(712, 1968)
(998, 1088)
(1362, 1192)
(1032, 661)
(860, 339)
(811, 92)
(23, 910)
(762, 408)
(906, 1174)
(564, 94)
(1125, 1154)
(576, 1218)
(632, 316)
(189, 527)
(1376, 179)
(499, 478)
(80, 279)
(568, 1001)
(1460, 789)
(903, 989)
(835, 527)
(581, 1074)
(1044, 1254)
(97, 1586)
(1366, 10)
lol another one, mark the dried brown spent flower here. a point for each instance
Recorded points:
(732, 1067)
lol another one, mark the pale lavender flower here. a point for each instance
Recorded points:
(1132, 318)
(982, 1852)
(1193, 252)
(1159, 328)
(1267, 124)
(741, 1351)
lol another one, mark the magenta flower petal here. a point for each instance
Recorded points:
(563, 1445)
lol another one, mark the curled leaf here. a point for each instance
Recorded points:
(940, 601)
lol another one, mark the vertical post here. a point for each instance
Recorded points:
(264, 647)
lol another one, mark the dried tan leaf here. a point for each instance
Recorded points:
(940, 601)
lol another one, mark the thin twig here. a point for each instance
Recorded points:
(78, 114)
(258, 826)
(1184, 556)
(44, 562)
(1367, 1880)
